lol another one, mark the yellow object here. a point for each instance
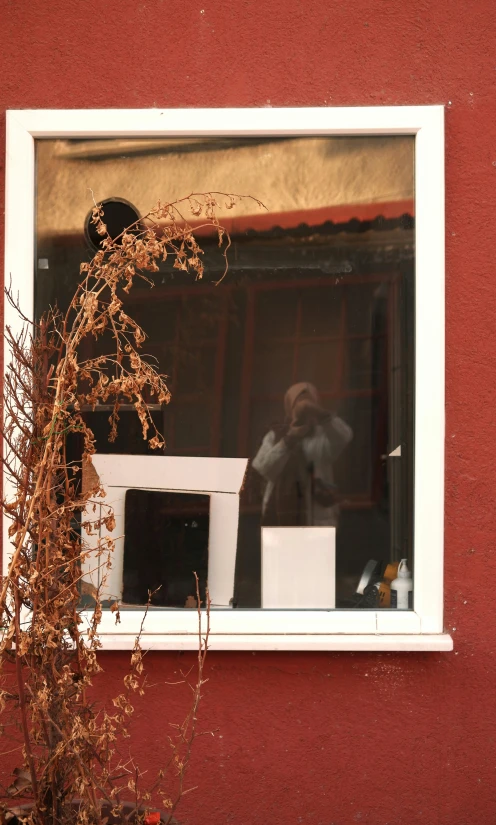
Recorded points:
(390, 573)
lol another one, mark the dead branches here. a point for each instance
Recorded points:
(69, 746)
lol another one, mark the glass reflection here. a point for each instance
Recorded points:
(296, 461)
(301, 360)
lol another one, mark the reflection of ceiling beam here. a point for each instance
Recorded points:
(114, 148)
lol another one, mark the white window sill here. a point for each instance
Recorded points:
(171, 629)
(341, 642)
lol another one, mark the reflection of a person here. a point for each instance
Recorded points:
(297, 459)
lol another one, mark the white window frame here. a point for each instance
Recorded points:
(421, 629)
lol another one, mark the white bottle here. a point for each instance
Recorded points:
(402, 588)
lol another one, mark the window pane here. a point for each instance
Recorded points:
(300, 360)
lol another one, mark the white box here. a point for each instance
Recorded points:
(299, 567)
(220, 478)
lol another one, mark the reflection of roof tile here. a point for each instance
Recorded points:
(358, 217)
(303, 230)
(349, 220)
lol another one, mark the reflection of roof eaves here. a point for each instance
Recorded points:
(122, 149)
(354, 220)
(354, 226)
(377, 230)
(355, 217)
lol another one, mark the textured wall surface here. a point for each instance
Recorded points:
(326, 739)
(287, 176)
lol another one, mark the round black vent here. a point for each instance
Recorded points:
(118, 214)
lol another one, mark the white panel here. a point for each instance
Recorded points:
(440, 642)
(299, 567)
(269, 621)
(398, 621)
(390, 120)
(223, 534)
(222, 543)
(112, 588)
(90, 568)
(186, 473)
(175, 473)
(19, 253)
(251, 622)
(429, 373)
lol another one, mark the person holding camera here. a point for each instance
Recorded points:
(296, 462)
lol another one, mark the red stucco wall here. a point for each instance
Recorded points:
(327, 739)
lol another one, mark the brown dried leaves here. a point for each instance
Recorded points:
(66, 743)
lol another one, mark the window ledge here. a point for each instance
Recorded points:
(341, 642)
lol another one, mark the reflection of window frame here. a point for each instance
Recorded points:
(421, 629)
(331, 396)
(213, 397)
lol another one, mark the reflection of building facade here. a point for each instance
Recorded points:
(297, 175)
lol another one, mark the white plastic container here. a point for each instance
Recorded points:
(299, 567)
(402, 588)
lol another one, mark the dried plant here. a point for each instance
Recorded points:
(69, 747)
